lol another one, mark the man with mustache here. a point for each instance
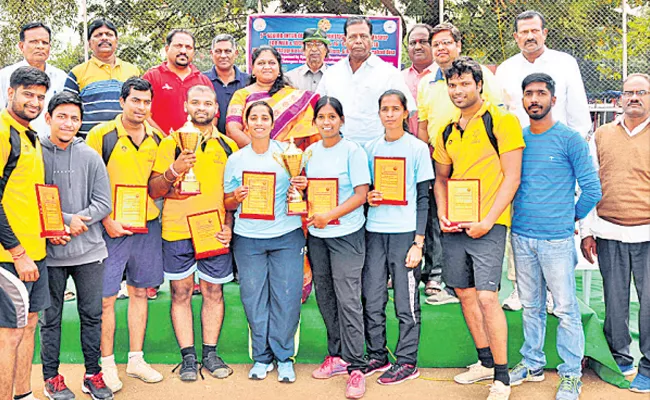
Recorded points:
(315, 48)
(618, 230)
(543, 222)
(359, 79)
(570, 107)
(171, 81)
(419, 50)
(35, 44)
(435, 110)
(99, 80)
(180, 260)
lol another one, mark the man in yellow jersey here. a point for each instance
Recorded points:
(180, 260)
(24, 289)
(128, 146)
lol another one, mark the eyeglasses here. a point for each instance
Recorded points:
(445, 43)
(630, 93)
(314, 45)
(421, 42)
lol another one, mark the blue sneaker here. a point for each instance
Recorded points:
(569, 388)
(286, 374)
(627, 370)
(521, 373)
(640, 384)
(259, 370)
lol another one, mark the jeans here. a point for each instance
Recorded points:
(549, 263)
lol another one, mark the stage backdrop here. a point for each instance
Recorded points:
(284, 32)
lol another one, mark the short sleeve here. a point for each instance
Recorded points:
(236, 107)
(371, 158)
(509, 134)
(71, 83)
(94, 140)
(165, 156)
(358, 167)
(424, 168)
(231, 179)
(440, 154)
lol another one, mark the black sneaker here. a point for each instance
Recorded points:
(96, 388)
(213, 363)
(373, 365)
(189, 368)
(55, 389)
(398, 373)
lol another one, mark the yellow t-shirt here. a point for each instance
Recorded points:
(19, 194)
(127, 164)
(473, 156)
(210, 163)
(435, 106)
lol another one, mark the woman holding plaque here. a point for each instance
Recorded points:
(399, 202)
(338, 184)
(267, 244)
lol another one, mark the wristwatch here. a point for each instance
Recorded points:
(419, 245)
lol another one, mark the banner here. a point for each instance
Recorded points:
(284, 32)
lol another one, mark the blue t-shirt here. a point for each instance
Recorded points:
(247, 160)
(399, 219)
(544, 206)
(348, 162)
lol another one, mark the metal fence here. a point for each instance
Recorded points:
(592, 31)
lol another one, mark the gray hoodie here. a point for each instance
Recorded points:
(83, 183)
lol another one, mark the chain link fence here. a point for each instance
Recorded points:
(590, 30)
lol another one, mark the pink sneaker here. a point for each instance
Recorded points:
(356, 385)
(330, 367)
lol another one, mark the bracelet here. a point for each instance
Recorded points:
(164, 175)
(17, 256)
(419, 245)
(173, 171)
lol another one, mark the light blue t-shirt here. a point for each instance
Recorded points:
(399, 219)
(247, 160)
(348, 162)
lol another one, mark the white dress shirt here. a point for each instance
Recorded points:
(571, 107)
(592, 225)
(57, 82)
(359, 94)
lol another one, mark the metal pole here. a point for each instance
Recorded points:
(624, 39)
(85, 32)
(441, 10)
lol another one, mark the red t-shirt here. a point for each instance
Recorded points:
(170, 92)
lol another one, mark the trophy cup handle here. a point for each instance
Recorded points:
(278, 158)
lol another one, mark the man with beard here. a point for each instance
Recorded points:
(474, 250)
(315, 48)
(359, 79)
(99, 80)
(543, 222)
(618, 230)
(171, 80)
(35, 44)
(180, 260)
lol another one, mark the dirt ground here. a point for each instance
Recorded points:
(433, 383)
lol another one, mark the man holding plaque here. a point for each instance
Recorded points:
(473, 242)
(196, 231)
(80, 175)
(24, 288)
(128, 146)
(543, 224)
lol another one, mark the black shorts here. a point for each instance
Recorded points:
(474, 262)
(18, 298)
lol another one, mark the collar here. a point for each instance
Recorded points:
(439, 75)
(538, 59)
(24, 63)
(121, 131)
(7, 119)
(620, 120)
(97, 62)
(193, 70)
(456, 117)
(304, 69)
(371, 61)
(424, 72)
(213, 76)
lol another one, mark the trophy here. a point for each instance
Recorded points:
(188, 138)
(293, 160)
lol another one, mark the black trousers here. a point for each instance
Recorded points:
(432, 270)
(88, 280)
(336, 265)
(386, 254)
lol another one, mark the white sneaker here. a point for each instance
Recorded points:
(123, 293)
(499, 391)
(549, 302)
(512, 302)
(477, 372)
(137, 367)
(111, 378)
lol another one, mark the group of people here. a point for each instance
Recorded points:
(445, 119)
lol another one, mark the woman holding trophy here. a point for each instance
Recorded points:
(399, 202)
(267, 244)
(338, 178)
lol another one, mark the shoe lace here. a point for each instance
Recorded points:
(97, 380)
(328, 363)
(518, 368)
(189, 363)
(568, 384)
(355, 379)
(57, 383)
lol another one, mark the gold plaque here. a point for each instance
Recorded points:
(49, 208)
(323, 196)
(204, 227)
(463, 200)
(260, 202)
(390, 180)
(130, 207)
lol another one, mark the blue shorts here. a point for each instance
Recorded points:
(18, 298)
(179, 263)
(139, 254)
